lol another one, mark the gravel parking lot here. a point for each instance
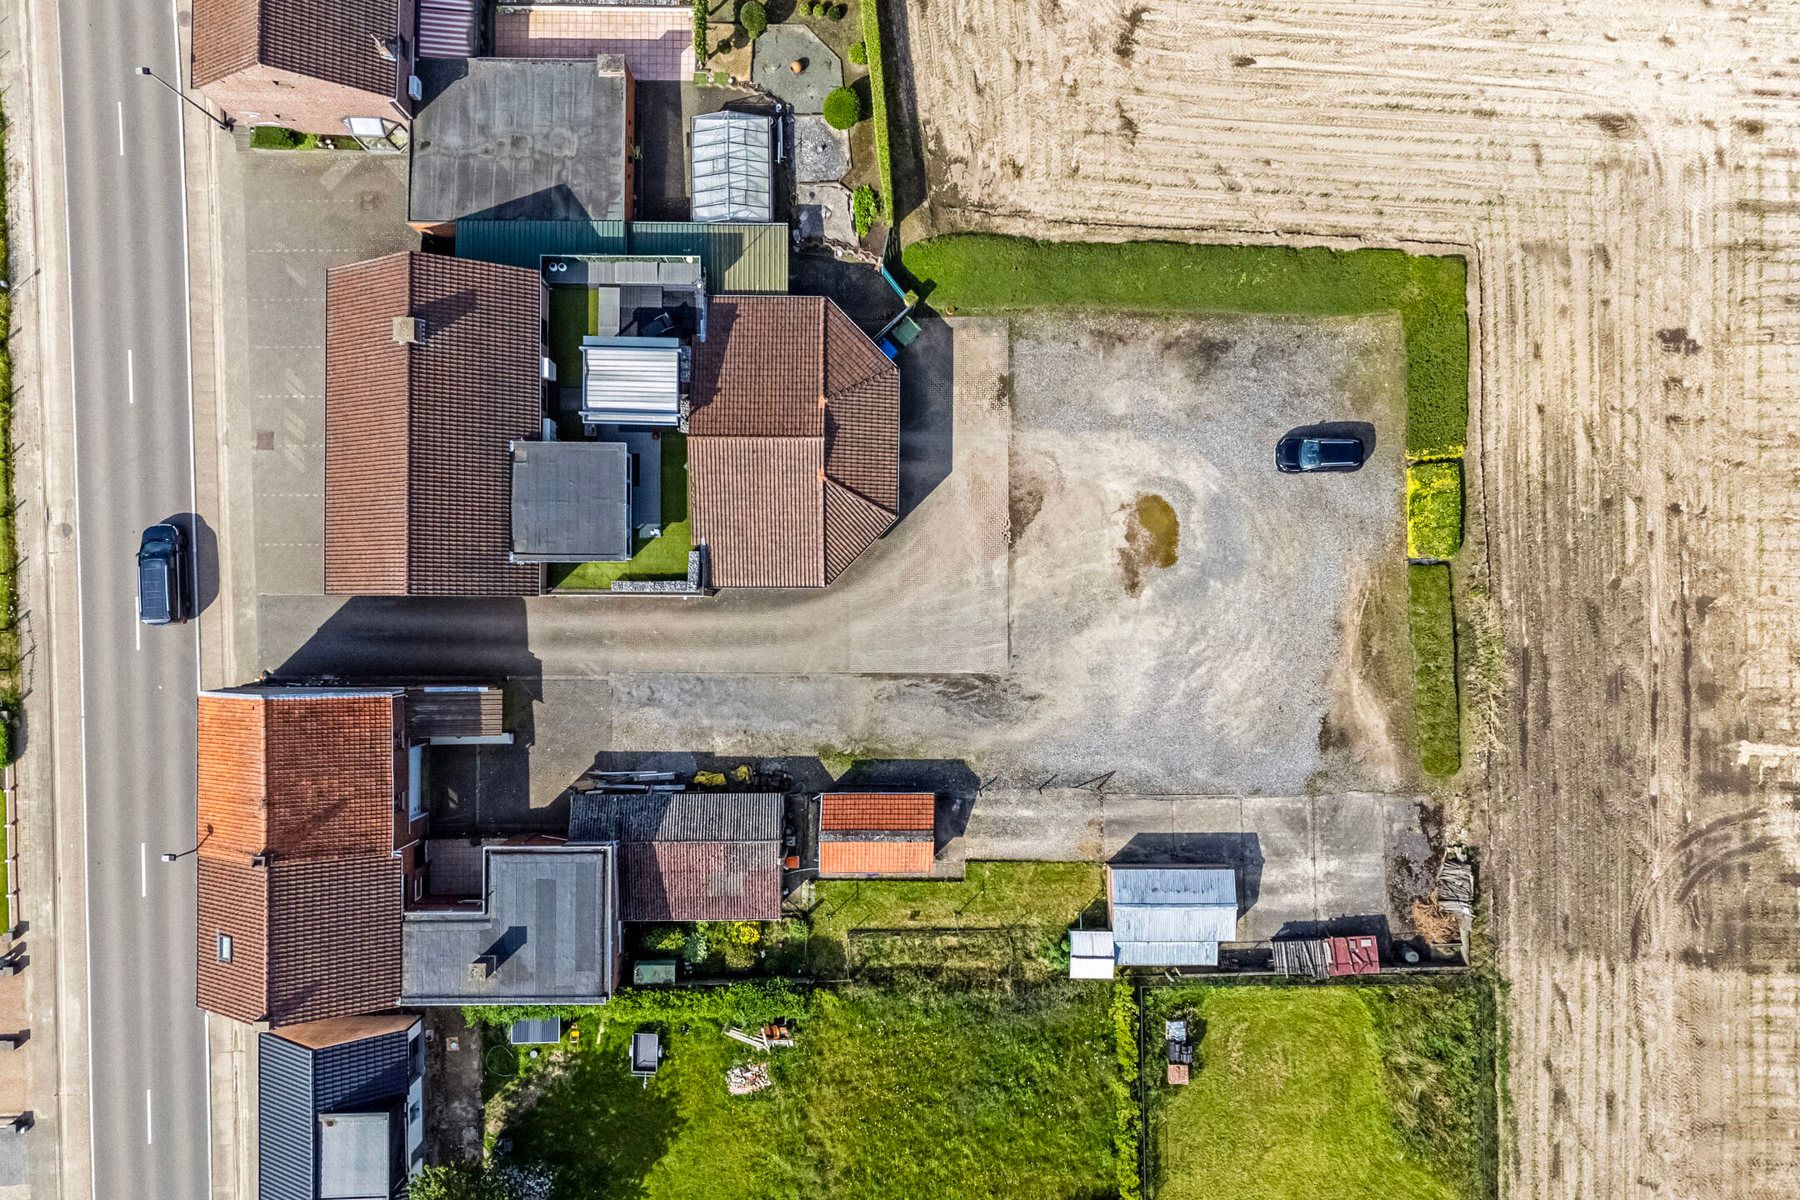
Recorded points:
(1267, 656)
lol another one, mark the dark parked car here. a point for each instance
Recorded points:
(162, 576)
(1295, 453)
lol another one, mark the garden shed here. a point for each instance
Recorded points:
(1171, 916)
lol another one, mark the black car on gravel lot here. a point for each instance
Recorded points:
(1295, 454)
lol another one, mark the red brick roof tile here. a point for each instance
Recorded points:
(307, 781)
(700, 881)
(775, 371)
(418, 480)
(878, 811)
(875, 858)
(333, 40)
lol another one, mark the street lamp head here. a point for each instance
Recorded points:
(170, 857)
(143, 70)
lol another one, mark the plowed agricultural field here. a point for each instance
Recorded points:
(1622, 177)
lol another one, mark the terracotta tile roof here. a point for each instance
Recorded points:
(333, 40)
(418, 484)
(335, 1031)
(875, 858)
(775, 374)
(758, 506)
(852, 524)
(307, 780)
(878, 811)
(759, 373)
(700, 881)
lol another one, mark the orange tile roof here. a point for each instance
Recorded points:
(875, 858)
(877, 810)
(308, 780)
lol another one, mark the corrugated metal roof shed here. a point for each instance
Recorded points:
(733, 167)
(736, 258)
(523, 243)
(631, 380)
(1172, 916)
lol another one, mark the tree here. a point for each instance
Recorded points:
(753, 18)
(842, 108)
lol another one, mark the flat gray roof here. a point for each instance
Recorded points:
(356, 1156)
(520, 139)
(545, 927)
(571, 502)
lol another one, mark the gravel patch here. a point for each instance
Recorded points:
(821, 153)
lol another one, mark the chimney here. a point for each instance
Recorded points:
(408, 330)
(482, 969)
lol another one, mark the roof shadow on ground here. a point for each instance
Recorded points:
(1242, 852)
(927, 413)
(401, 640)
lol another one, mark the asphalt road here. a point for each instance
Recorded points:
(127, 239)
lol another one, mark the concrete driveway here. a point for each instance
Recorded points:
(287, 217)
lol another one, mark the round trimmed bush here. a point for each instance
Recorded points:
(753, 18)
(842, 108)
(859, 53)
(839, 11)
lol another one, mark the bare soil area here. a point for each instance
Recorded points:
(1622, 179)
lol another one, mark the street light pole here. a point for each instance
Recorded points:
(194, 849)
(225, 123)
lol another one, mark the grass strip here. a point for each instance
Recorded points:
(871, 30)
(986, 273)
(1434, 509)
(1432, 621)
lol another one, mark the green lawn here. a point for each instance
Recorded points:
(983, 273)
(1431, 618)
(573, 316)
(664, 557)
(911, 1092)
(1008, 917)
(1327, 1093)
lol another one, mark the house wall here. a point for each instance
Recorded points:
(263, 95)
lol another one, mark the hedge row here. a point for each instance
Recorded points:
(1434, 509)
(755, 1002)
(1128, 1116)
(1431, 618)
(871, 29)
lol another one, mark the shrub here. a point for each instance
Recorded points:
(694, 949)
(753, 18)
(864, 204)
(1434, 507)
(842, 108)
(455, 1183)
(274, 137)
(859, 53)
(668, 939)
(1431, 618)
(839, 11)
(1127, 1116)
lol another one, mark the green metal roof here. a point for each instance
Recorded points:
(522, 243)
(736, 258)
